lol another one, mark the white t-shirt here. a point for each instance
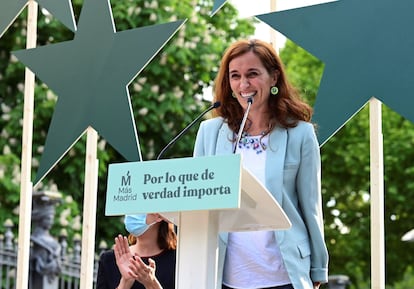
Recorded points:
(253, 259)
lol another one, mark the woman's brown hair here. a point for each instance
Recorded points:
(285, 109)
(167, 238)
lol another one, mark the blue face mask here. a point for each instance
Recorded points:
(137, 224)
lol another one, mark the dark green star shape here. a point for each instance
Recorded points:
(367, 47)
(217, 5)
(61, 9)
(90, 75)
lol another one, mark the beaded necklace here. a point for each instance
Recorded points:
(256, 143)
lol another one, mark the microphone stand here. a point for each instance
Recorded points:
(214, 105)
(243, 123)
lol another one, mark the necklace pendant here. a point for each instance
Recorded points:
(249, 142)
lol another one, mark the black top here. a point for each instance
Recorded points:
(108, 273)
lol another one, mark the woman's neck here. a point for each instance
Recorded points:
(259, 124)
(147, 245)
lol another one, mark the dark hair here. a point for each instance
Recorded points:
(286, 108)
(167, 238)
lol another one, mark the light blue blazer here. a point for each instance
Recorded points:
(293, 177)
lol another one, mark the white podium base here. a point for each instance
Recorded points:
(197, 250)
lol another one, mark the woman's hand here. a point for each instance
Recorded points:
(316, 285)
(123, 256)
(145, 274)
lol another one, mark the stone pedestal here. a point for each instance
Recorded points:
(39, 281)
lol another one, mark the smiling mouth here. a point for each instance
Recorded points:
(248, 95)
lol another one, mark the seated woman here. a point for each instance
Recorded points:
(146, 259)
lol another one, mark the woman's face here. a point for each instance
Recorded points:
(249, 78)
(153, 218)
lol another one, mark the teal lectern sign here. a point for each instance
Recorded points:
(185, 184)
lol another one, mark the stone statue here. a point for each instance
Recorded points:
(45, 262)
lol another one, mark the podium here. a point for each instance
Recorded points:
(202, 196)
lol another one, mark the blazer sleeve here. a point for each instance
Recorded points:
(310, 201)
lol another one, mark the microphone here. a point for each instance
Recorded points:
(214, 105)
(243, 123)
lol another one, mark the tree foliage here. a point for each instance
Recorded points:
(346, 183)
(165, 97)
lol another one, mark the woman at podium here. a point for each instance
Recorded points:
(263, 118)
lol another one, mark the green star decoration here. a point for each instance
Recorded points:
(367, 47)
(61, 9)
(217, 5)
(90, 75)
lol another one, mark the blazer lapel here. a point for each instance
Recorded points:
(275, 156)
(275, 160)
(224, 143)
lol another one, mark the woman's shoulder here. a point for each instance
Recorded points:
(108, 255)
(303, 131)
(303, 126)
(215, 121)
(212, 124)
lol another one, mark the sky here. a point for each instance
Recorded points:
(248, 8)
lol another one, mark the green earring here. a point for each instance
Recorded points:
(274, 90)
(233, 95)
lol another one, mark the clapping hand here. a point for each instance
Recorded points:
(122, 255)
(132, 267)
(145, 274)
